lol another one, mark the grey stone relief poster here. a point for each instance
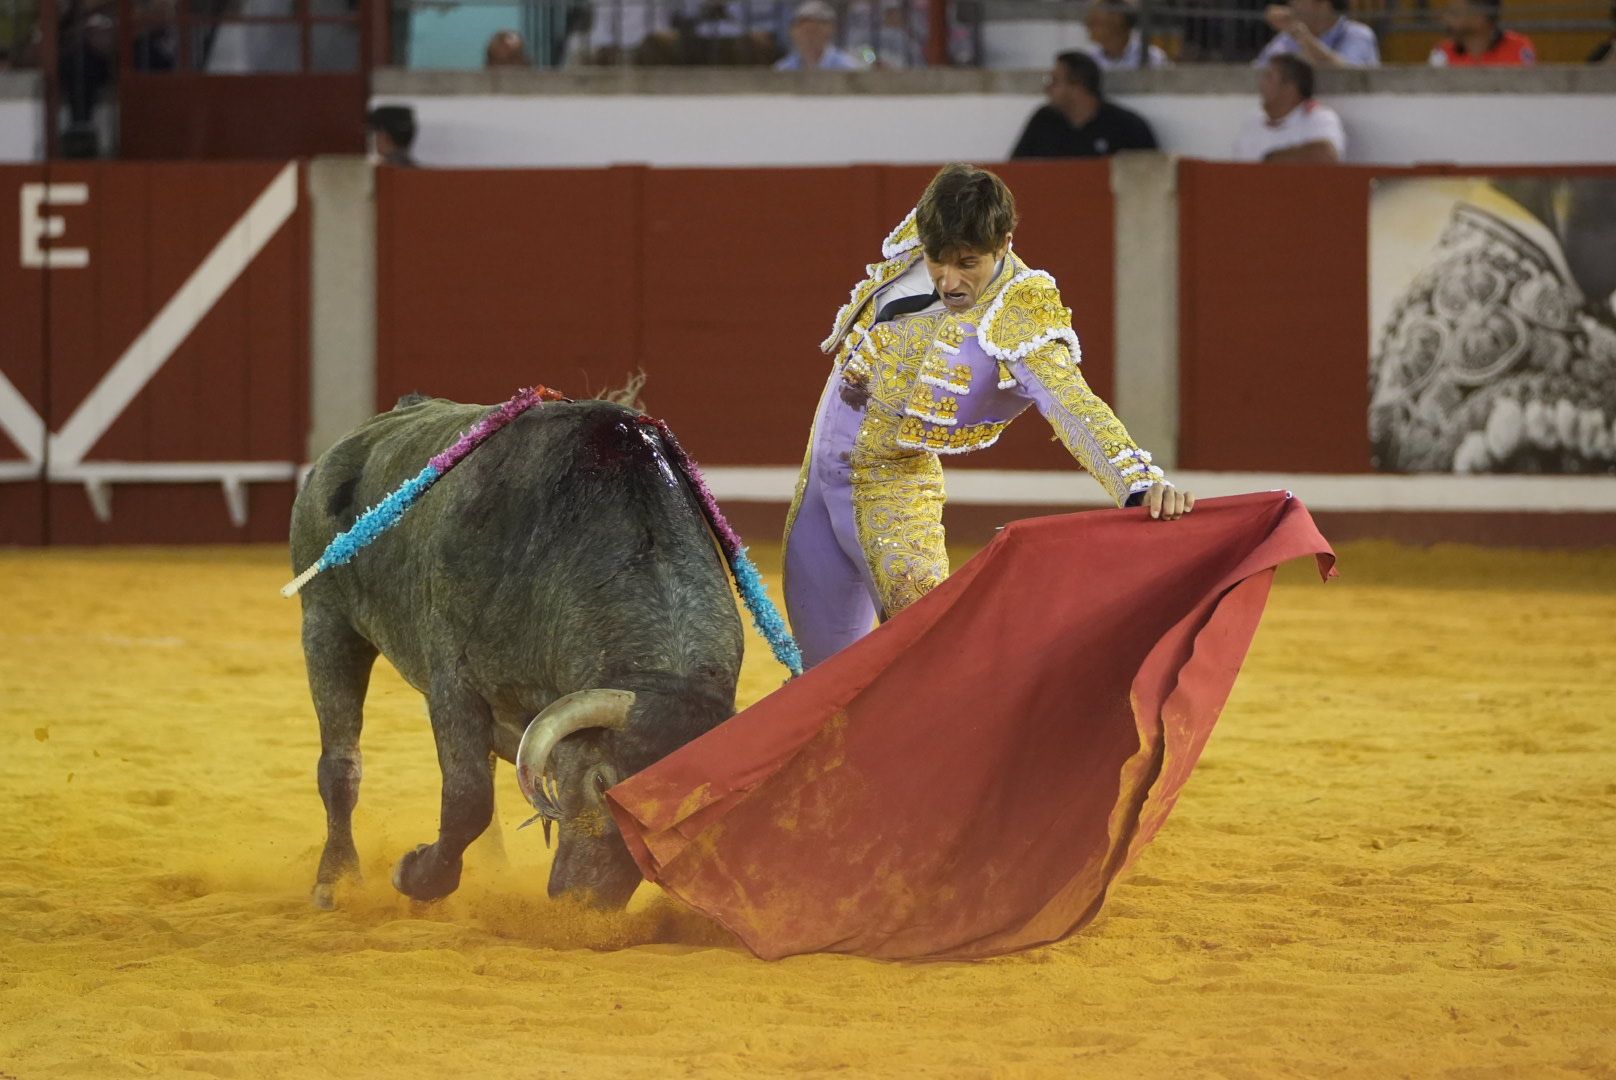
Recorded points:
(1491, 324)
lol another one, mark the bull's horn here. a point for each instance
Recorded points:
(563, 717)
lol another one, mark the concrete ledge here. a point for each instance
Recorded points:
(1200, 79)
(688, 81)
(20, 86)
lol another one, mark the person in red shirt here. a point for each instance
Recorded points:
(1475, 38)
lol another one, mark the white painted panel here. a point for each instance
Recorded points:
(503, 130)
(21, 139)
(1377, 492)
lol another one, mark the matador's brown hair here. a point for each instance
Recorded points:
(964, 208)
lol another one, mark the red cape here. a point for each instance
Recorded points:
(970, 778)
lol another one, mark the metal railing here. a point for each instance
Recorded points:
(456, 34)
(453, 34)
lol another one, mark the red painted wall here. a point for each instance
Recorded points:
(720, 284)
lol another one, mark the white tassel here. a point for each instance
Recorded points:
(890, 246)
(293, 587)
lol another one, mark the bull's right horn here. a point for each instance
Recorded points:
(564, 716)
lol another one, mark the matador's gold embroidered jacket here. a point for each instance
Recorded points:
(941, 382)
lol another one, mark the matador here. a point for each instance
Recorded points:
(946, 341)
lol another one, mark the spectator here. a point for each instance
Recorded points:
(898, 44)
(392, 133)
(571, 48)
(1475, 39)
(730, 34)
(1317, 31)
(1606, 52)
(505, 49)
(1078, 121)
(890, 34)
(1291, 126)
(812, 29)
(156, 44)
(249, 46)
(1116, 42)
(87, 48)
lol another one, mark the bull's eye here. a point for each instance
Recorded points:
(601, 778)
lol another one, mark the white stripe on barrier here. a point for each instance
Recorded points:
(19, 421)
(1320, 491)
(1002, 487)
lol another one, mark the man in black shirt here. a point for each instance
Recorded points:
(1078, 121)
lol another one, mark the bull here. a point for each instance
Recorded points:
(559, 602)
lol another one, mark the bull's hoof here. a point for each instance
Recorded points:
(422, 875)
(338, 861)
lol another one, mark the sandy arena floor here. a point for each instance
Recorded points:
(1398, 858)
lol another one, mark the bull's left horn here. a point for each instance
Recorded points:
(564, 716)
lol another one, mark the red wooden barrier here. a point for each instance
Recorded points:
(168, 339)
(1273, 317)
(719, 283)
(174, 321)
(22, 367)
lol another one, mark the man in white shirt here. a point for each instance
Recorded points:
(1114, 40)
(1316, 31)
(1291, 126)
(813, 31)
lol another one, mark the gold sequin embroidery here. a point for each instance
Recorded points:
(897, 490)
(898, 510)
(1087, 427)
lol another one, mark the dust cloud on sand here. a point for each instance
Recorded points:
(1398, 857)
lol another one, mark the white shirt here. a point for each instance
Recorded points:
(628, 24)
(1130, 56)
(1309, 122)
(1352, 41)
(914, 281)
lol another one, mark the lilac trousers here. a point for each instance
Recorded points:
(831, 597)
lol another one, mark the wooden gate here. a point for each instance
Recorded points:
(274, 79)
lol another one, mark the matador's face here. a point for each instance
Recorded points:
(961, 275)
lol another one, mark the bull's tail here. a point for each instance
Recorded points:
(765, 616)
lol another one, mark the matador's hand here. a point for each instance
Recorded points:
(1167, 502)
